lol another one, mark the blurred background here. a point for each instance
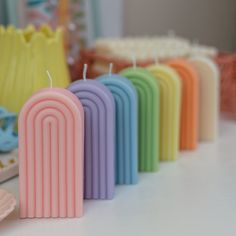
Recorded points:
(98, 32)
(207, 21)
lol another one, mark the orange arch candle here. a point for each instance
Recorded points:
(190, 103)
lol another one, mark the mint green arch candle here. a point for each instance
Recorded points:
(148, 117)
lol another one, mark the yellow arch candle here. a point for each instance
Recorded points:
(170, 90)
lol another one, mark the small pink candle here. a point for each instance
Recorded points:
(51, 144)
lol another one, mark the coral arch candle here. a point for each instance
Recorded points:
(189, 103)
(51, 155)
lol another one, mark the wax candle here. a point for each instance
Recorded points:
(209, 77)
(189, 103)
(170, 89)
(99, 107)
(125, 96)
(148, 117)
(51, 134)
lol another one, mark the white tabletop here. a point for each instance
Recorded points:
(195, 195)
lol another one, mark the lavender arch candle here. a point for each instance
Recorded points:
(99, 107)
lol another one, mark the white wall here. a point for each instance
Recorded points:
(111, 18)
(212, 22)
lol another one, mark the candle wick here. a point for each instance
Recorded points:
(134, 60)
(110, 69)
(49, 77)
(85, 72)
(155, 55)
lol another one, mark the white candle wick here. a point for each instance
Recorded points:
(85, 72)
(110, 69)
(155, 56)
(134, 61)
(49, 77)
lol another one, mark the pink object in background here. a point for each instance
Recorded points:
(7, 203)
(51, 144)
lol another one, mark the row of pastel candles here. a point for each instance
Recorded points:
(79, 142)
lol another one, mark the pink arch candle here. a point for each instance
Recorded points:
(51, 143)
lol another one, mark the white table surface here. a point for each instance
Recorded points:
(195, 195)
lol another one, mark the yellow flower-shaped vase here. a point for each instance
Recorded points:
(25, 56)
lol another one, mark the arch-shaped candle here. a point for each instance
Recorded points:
(148, 121)
(125, 96)
(99, 107)
(170, 89)
(209, 79)
(51, 133)
(189, 103)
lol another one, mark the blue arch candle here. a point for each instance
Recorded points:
(126, 107)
